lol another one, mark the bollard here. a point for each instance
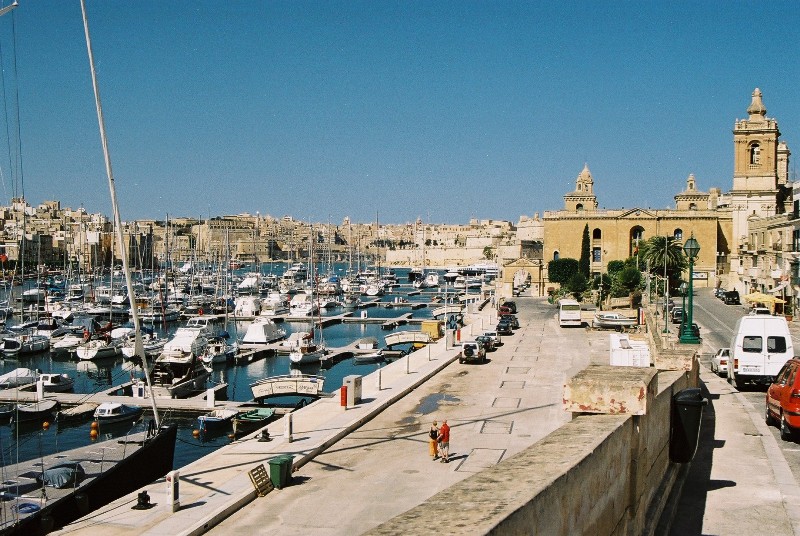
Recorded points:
(458, 335)
(379, 379)
(343, 396)
(173, 490)
(287, 431)
(408, 363)
(429, 352)
(39, 390)
(210, 398)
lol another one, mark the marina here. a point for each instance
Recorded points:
(113, 379)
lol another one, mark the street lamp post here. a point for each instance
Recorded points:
(683, 288)
(691, 248)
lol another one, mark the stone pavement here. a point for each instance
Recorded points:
(739, 481)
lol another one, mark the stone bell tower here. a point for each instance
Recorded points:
(583, 198)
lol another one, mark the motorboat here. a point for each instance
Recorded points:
(111, 412)
(99, 348)
(176, 376)
(217, 419)
(262, 331)
(612, 321)
(247, 306)
(56, 383)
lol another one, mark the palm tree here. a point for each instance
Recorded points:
(657, 251)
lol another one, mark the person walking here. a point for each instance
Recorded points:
(444, 442)
(433, 445)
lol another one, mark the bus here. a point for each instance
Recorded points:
(569, 313)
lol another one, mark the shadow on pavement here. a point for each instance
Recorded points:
(688, 517)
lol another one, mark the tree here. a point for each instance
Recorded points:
(657, 251)
(577, 284)
(630, 279)
(488, 253)
(561, 270)
(585, 266)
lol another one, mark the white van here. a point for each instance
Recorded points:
(761, 345)
(569, 313)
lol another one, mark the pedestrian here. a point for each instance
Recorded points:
(433, 445)
(444, 442)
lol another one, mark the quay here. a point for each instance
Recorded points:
(520, 463)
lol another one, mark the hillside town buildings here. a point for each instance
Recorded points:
(749, 235)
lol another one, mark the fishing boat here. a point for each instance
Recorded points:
(250, 421)
(612, 321)
(56, 383)
(112, 412)
(217, 420)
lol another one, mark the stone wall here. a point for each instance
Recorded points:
(598, 475)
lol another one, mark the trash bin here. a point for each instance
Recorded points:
(687, 410)
(280, 470)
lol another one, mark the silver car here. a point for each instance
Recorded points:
(719, 363)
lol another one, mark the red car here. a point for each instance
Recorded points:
(783, 399)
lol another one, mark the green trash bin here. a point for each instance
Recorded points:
(280, 470)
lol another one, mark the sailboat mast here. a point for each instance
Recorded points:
(138, 346)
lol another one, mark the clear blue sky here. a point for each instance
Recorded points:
(438, 110)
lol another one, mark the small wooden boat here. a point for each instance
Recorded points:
(18, 377)
(109, 412)
(217, 419)
(76, 413)
(35, 410)
(249, 421)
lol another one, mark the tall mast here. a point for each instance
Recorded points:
(138, 346)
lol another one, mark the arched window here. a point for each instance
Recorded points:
(579, 207)
(597, 234)
(678, 234)
(755, 154)
(555, 255)
(692, 206)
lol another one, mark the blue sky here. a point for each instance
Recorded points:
(439, 110)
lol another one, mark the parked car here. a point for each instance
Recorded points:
(677, 315)
(511, 306)
(732, 298)
(783, 399)
(487, 342)
(504, 328)
(494, 337)
(719, 363)
(511, 319)
(472, 351)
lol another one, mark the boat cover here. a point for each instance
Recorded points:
(64, 475)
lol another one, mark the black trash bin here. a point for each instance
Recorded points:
(687, 410)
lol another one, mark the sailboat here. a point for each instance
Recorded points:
(48, 492)
(310, 348)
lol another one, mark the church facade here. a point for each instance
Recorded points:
(746, 236)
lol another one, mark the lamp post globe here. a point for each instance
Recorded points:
(691, 248)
